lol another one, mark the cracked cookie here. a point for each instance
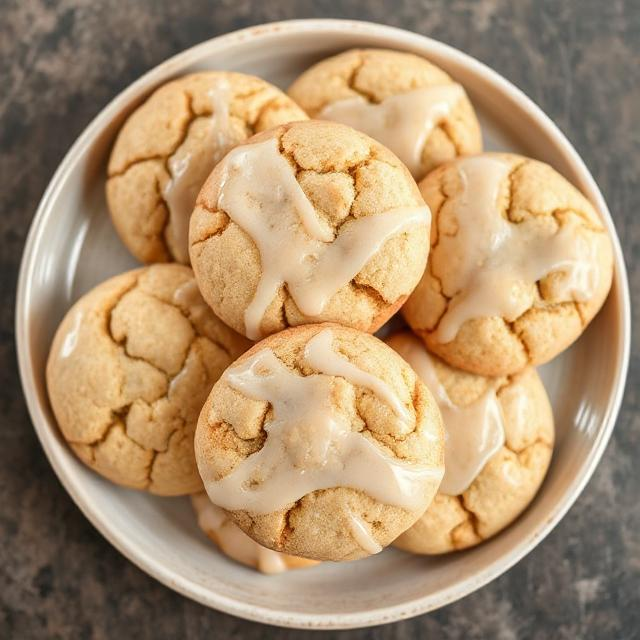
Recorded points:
(169, 145)
(129, 369)
(519, 264)
(401, 100)
(309, 222)
(236, 544)
(321, 442)
(498, 447)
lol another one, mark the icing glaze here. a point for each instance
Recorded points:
(493, 264)
(310, 443)
(474, 433)
(401, 122)
(189, 170)
(260, 193)
(361, 533)
(232, 540)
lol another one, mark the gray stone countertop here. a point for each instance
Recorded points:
(61, 61)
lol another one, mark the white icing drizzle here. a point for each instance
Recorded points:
(260, 193)
(402, 122)
(310, 444)
(474, 433)
(190, 170)
(362, 534)
(71, 337)
(333, 365)
(493, 264)
(234, 542)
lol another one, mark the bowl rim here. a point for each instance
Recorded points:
(147, 562)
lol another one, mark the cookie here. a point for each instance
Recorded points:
(169, 145)
(236, 544)
(498, 447)
(321, 442)
(519, 265)
(309, 222)
(129, 369)
(401, 100)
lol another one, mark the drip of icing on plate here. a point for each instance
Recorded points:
(234, 542)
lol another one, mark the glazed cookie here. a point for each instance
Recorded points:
(401, 100)
(169, 145)
(519, 265)
(236, 544)
(321, 442)
(128, 372)
(309, 222)
(498, 448)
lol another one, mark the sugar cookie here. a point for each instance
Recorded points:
(498, 448)
(311, 221)
(129, 369)
(321, 442)
(520, 264)
(169, 145)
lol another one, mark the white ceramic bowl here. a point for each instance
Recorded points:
(72, 246)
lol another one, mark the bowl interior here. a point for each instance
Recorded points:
(73, 246)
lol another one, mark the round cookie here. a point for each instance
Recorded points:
(129, 369)
(309, 222)
(236, 544)
(400, 99)
(488, 481)
(169, 145)
(321, 442)
(519, 264)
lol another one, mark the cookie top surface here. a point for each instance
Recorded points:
(400, 99)
(236, 544)
(519, 264)
(321, 442)
(129, 368)
(169, 145)
(498, 447)
(311, 221)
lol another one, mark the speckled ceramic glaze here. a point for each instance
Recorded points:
(72, 246)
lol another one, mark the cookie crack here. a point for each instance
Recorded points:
(115, 421)
(183, 135)
(352, 78)
(218, 232)
(287, 528)
(510, 325)
(108, 318)
(161, 236)
(520, 452)
(187, 316)
(473, 520)
(511, 190)
(125, 349)
(150, 466)
(372, 293)
(263, 109)
(133, 163)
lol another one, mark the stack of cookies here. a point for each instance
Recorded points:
(240, 366)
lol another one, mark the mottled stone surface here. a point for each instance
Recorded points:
(62, 61)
